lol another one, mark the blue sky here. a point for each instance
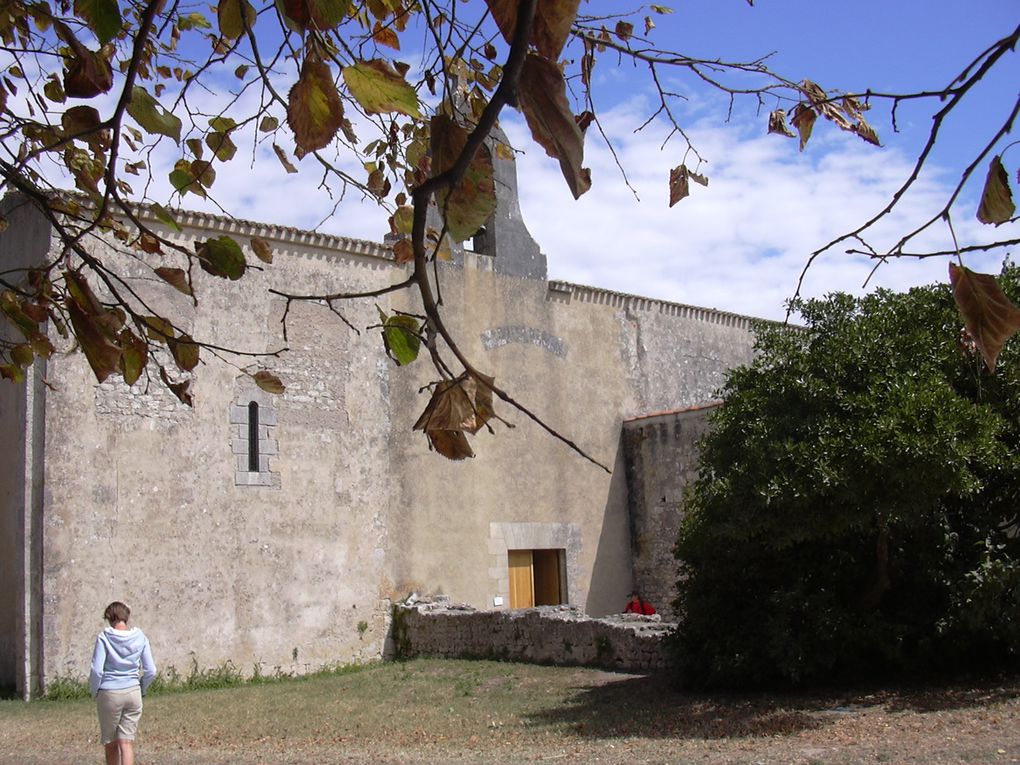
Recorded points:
(900, 46)
(741, 243)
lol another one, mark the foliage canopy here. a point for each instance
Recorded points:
(857, 503)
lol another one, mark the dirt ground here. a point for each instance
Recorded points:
(487, 712)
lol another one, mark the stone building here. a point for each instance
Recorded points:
(275, 530)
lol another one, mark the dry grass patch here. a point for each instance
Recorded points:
(487, 712)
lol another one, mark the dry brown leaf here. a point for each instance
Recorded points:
(385, 36)
(679, 186)
(865, 131)
(777, 123)
(269, 382)
(553, 20)
(282, 156)
(88, 73)
(542, 94)
(990, 317)
(460, 404)
(175, 277)
(314, 109)
(587, 62)
(457, 407)
(321, 14)
(804, 120)
(262, 249)
(820, 100)
(181, 389)
(403, 251)
(997, 199)
(452, 444)
(148, 243)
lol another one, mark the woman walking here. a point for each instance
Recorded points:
(122, 669)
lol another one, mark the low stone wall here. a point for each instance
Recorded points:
(544, 635)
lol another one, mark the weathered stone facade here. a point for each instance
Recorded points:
(661, 458)
(559, 635)
(112, 493)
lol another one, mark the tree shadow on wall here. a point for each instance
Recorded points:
(650, 707)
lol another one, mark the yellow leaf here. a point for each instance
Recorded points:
(467, 206)
(234, 17)
(380, 89)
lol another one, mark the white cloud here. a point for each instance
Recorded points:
(740, 244)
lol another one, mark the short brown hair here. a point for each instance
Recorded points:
(117, 612)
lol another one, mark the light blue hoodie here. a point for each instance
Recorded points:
(118, 658)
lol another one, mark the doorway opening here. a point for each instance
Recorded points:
(537, 577)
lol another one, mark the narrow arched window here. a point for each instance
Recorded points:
(253, 437)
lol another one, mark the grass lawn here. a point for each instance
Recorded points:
(430, 711)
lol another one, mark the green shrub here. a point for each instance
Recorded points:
(857, 495)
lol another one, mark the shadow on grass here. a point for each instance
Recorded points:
(957, 694)
(651, 707)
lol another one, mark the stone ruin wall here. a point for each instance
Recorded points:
(560, 635)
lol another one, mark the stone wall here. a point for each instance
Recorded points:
(661, 457)
(140, 498)
(560, 635)
(22, 410)
(347, 506)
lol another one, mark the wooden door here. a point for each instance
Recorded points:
(546, 577)
(522, 578)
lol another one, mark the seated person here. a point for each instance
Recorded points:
(638, 605)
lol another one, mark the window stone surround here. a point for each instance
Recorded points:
(269, 448)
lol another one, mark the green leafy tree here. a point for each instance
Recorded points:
(856, 507)
(94, 91)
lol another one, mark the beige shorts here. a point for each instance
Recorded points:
(119, 712)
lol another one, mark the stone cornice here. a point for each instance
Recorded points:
(601, 296)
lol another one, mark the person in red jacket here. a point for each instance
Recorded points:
(638, 605)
